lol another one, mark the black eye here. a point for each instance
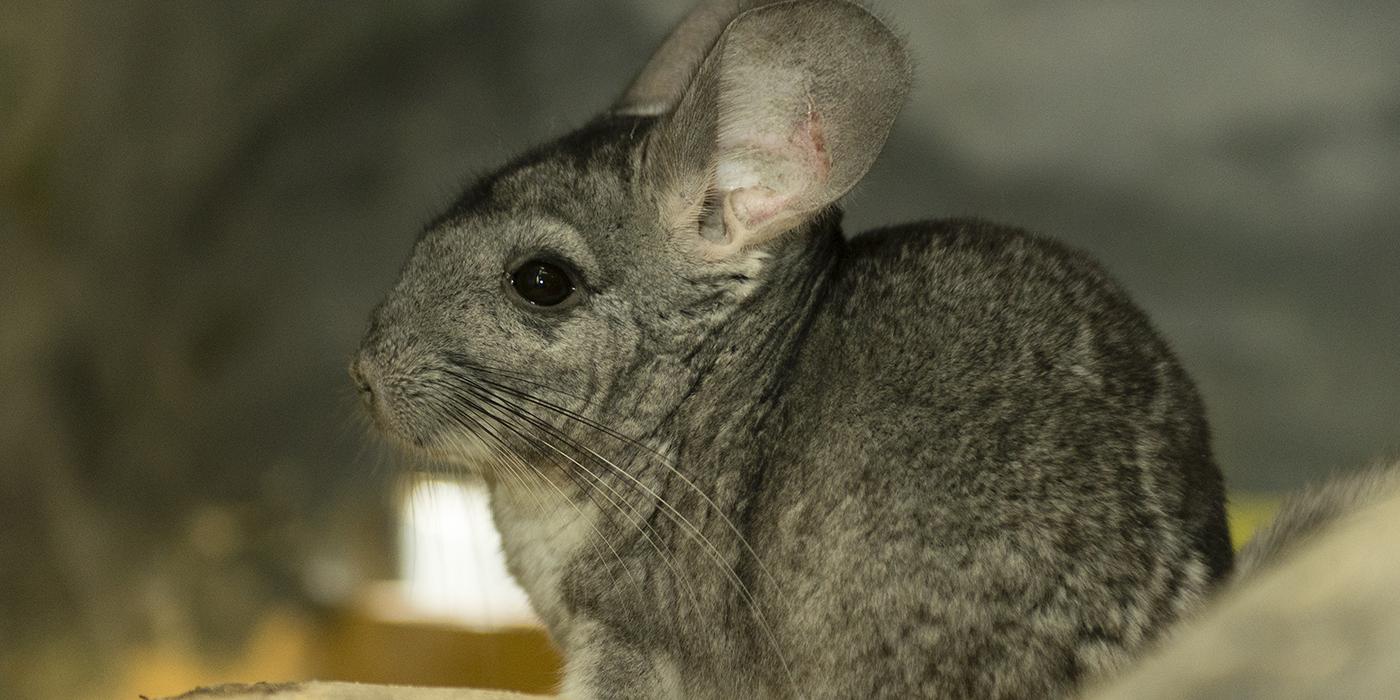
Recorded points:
(542, 283)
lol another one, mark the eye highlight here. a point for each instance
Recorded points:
(540, 282)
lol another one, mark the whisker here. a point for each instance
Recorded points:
(636, 518)
(461, 362)
(693, 531)
(662, 459)
(503, 451)
(636, 521)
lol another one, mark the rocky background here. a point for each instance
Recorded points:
(200, 201)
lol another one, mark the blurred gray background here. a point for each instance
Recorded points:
(200, 202)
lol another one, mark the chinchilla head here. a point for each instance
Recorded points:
(579, 282)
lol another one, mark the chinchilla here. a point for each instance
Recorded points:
(734, 454)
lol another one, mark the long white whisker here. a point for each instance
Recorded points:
(664, 462)
(502, 452)
(617, 501)
(689, 528)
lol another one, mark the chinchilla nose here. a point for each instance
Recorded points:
(367, 369)
(363, 374)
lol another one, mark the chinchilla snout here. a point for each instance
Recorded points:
(360, 374)
(388, 373)
(414, 373)
(380, 395)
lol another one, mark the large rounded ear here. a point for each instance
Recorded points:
(786, 113)
(659, 86)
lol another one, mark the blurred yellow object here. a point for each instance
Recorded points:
(373, 645)
(1248, 513)
(281, 646)
(372, 641)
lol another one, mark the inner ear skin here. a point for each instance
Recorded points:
(786, 113)
(758, 184)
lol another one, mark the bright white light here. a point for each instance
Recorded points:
(452, 564)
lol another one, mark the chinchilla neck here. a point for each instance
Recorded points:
(743, 365)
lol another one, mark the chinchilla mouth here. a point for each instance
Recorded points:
(490, 418)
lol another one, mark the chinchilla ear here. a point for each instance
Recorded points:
(786, 113)
(659, 86)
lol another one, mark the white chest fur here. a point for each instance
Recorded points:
(541, 532)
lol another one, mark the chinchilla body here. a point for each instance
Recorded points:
(733, 454)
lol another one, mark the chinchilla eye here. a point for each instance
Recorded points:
(542, 282)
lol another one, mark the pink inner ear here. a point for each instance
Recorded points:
(768, 176)
(810, 138)
(755, 205)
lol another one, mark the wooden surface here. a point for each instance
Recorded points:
(345, 691)
(1322, 623)
(369, 649)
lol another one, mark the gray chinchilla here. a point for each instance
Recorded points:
(733, 454)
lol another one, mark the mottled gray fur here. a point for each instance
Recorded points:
(749, 458)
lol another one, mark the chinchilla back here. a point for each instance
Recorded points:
(1003, 453)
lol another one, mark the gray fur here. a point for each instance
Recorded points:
(944, 459)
